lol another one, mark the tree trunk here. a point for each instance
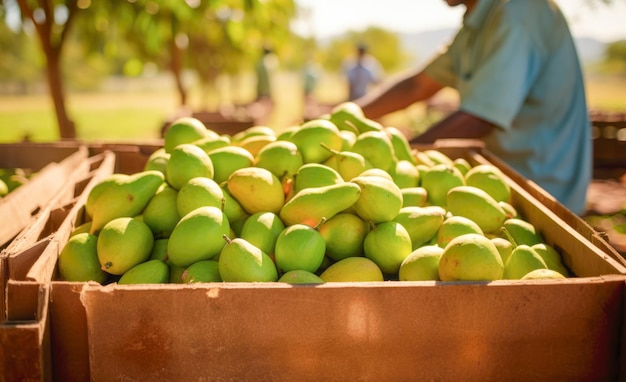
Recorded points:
(67, 128)
(176, 65)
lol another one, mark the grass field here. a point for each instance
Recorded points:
(136, 113)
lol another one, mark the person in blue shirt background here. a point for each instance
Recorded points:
(362, 73)
(521, 90)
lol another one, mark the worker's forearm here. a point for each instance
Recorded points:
(457, 125)
(388, 98)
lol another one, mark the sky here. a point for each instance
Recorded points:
(326, 18)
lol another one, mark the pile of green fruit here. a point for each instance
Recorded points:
(339, 198)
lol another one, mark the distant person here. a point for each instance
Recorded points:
(310, 77)
(264, 70)
(362, 73)
(521, 90)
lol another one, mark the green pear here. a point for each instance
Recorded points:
(344, 234)
(148, 272)
(210, 143)
(353, 269)
(227, 159)
(315, 175)
(414, 196)
(422, 223)
(348, 164)
(241, 261)
(123, 243)
(522, 231)
(183, 130)
(232, 209)
(203, 271)
(161, 213)
(187, 161)
(299, 246)
(157, 161)
(84, 227)
(78, 260)
(376, 172)
(380, 199)
(376, 147)
(422, 264)
(198, 236)
(281, 157)
(503, 246)
(462, 164)
(387, 244)
(438, 157)
(422, 159)
(159, 250)
(490, 179)
(405, 174)
(522, 260)
(349, 116)
(551, 257)
(454, 226)
(470, 257)
(400, 144)
(349, 137)
(477, 205)
(286, 133)
(299, 276)
(257, 190)
(312, 204)
(256, 143)
(310, 137)
(125, 196)
(542, 274)
(253, 131)
(199, 192)
(440, 179)
(261, 230)
(509, 210)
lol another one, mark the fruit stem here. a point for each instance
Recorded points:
(226, 239)
(324, 145)
(322, 221)
(508, 236)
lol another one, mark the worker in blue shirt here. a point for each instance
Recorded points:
(521, 90)
(364, 72)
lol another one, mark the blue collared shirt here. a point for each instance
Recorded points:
(515, 64)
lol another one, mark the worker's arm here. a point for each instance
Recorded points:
(398, 94)
(459, 124)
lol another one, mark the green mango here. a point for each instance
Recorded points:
(454, 226)
(311, 205)
(241, 261)
(253, 131)
(380, 199)
(123, 196)
(282, 158)
(203, 271)
(123, 243)
(462, 164)
(161, 213)
(504, 247)
(477, 205)
(183, 130)
(157, 161)
(262, 230)
(542, 274)
(257, 190)
(422, 223)
(231, 207)
(198, 236)
(551, 257)
(187, 161)
(348, 164)
(353, 269)
(344, 234)
(212, 142)
(523, 259)
(522, 232)
(78, 260)
(310, 137)
(299, 246)
(148, 272)
(422, 264)
(405, 174)
(159, 250)
(100, 187)
(470, 257)
(414, 196)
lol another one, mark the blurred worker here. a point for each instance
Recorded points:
(521, 91)
(362, 73)
(264, 102)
